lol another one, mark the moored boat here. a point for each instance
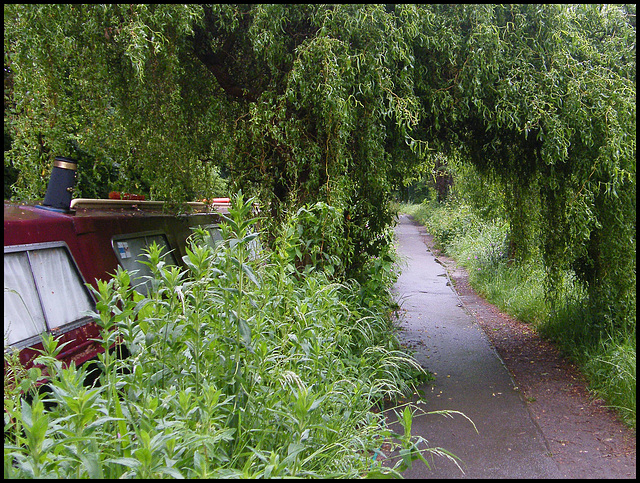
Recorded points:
(52, 250)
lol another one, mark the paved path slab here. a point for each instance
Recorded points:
(470, 378)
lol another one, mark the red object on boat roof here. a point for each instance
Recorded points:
(116, 195)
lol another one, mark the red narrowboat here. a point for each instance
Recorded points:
(51, 250)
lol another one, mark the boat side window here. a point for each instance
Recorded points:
(216, 237)
(215, 234)
(43, 291)
(130, 251)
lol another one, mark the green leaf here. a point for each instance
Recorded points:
(128, 462)
(92, 464)
(293, 450)
(245, 331)
(249, 272)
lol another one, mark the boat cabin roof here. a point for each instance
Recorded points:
(90, 227)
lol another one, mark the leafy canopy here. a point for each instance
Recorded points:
(339, 104)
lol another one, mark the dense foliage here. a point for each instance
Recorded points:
(341, 103)
(239, 367)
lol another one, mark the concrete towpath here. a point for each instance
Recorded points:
(470, 378)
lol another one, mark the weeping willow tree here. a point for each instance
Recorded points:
(294, 103)
(115, 87)
(542, 98)
(304, 103)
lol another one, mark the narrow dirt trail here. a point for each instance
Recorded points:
(531, 407)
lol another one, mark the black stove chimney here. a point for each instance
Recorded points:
(61, 184)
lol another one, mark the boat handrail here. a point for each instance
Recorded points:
(94, 203)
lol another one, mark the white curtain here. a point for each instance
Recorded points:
(23, 316)
(60, 297)
(63, 295)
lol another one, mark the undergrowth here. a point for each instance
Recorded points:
(606, 353)
(244, 365)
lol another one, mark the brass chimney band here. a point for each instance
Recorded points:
(64, 165)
